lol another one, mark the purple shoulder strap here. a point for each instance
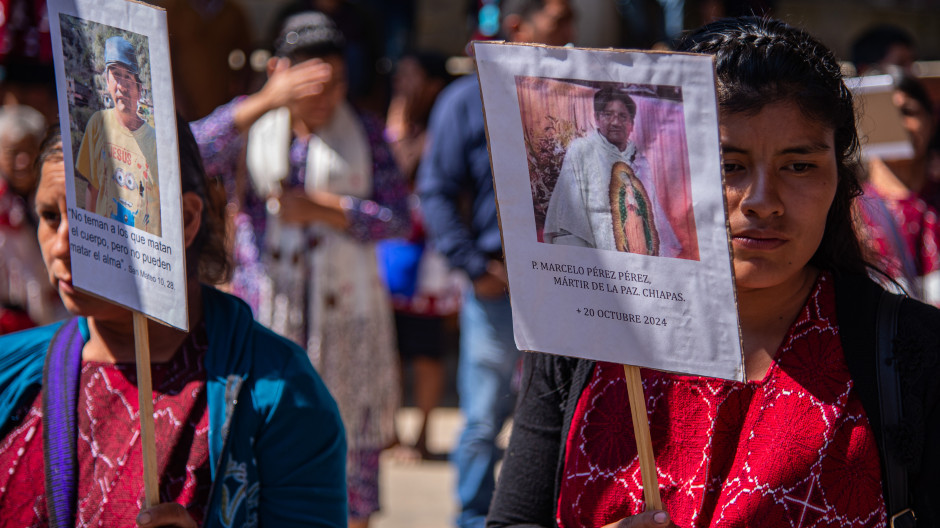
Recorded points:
(60, 380)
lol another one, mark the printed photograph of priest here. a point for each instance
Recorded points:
(608, 165)
(604, 197)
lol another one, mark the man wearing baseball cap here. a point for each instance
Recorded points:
(118, 154)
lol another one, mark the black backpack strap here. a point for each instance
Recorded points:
(857, 298)
(897, 500)
(864, 311)
(60, 380)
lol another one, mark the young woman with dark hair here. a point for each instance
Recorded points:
(799, 443)
(246, 431)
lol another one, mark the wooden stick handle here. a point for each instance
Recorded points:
(148, 443)
(641, 430)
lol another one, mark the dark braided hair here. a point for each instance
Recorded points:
(308, 35)
(760, 61)
(208, 257)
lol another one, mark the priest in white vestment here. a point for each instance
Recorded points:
(583, 210)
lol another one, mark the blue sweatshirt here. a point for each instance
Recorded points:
(277, 446)
(456, 164)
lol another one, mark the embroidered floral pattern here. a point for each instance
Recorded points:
(794, 449)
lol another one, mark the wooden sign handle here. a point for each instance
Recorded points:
(148, 443)
(641, 430)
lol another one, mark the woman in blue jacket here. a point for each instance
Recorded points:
(247, 434)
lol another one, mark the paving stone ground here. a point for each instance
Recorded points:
(420, 494)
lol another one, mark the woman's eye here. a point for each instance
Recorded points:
(732, 167)
(800, 167)
(51, 218)
(910, 110)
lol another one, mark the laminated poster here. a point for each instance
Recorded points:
(607, 169)
(119, 142)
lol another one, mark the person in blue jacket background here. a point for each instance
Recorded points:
(454, 172)
(247, 433)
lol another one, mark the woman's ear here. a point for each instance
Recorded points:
(192, 216)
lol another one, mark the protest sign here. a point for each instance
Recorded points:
(881, 131)
(119, 142)
(607, 170)
(123, 194)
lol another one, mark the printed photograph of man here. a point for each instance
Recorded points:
(118, 153)
(605, 196)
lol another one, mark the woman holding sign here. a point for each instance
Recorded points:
(246, 432)
(800, 443)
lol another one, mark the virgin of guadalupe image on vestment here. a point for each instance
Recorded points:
(633, 222)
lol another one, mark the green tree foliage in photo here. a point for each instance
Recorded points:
(83, 49)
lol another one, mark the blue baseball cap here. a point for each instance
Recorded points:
(119, 51)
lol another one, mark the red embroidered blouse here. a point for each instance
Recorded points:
(794, 449)
(110, 482)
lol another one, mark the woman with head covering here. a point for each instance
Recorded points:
(323, 186)
(800, 442)
(246, 432)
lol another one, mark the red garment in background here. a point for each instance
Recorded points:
(24, 32)
(110, 487)
(904, 234)
(14, 320)
(794, 449)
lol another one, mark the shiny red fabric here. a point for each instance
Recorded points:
(794, 449)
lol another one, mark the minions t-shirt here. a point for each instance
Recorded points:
(121, 168)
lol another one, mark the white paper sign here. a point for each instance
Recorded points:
(118, 120)
(881, 129)
(607, 170)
